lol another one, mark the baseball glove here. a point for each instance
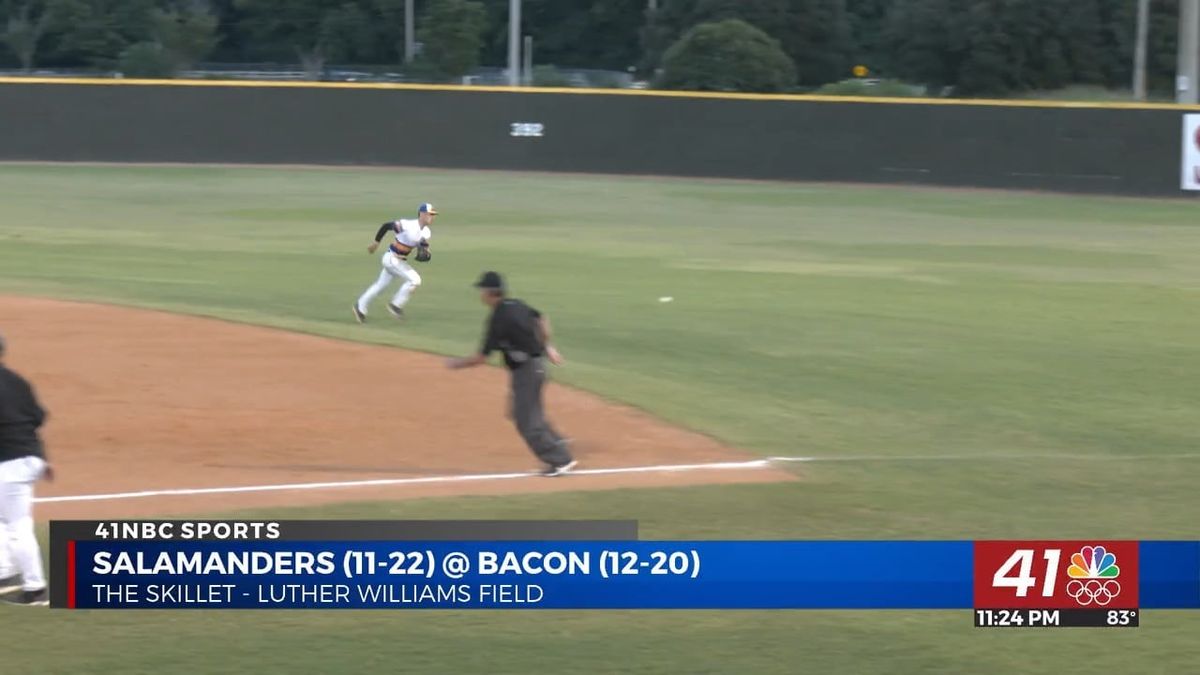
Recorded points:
(423, 254)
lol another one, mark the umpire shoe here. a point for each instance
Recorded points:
(38, 598)
(560, 469)
(10, 584)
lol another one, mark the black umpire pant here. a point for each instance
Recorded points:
(529, 416)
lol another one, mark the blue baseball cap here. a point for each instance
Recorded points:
(427, 208)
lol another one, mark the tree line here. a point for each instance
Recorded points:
(972, 47)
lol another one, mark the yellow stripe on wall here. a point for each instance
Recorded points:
(578, 91)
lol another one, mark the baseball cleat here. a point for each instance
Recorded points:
(38, 598)
(10, 584)
(362, 318)
(396, 311)
(560, 469)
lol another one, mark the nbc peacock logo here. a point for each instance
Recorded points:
(1093, 573)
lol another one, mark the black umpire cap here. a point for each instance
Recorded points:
(490, 280)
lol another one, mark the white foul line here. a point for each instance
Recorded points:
(663, 468)
(983, 457)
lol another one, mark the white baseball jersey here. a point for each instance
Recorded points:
(409, 233)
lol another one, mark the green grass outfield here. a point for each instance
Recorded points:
(1013, 365)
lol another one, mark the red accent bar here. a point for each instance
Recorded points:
(71, 575)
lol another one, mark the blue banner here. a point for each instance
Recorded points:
(1170, 574)
(561, 575)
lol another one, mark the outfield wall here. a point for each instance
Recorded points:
(1101, 149)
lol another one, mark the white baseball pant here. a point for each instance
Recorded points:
(393, 268)
(19, 549)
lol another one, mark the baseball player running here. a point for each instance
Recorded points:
(22, 463)
(410, 235)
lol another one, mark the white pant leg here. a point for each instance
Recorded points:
(412, 280)
(16, 512)
(385, 278)
(6, 562)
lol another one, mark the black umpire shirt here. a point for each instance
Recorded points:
(20, 418)
(513, 329)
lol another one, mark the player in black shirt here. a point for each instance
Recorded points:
(523, 335)
(22, 463)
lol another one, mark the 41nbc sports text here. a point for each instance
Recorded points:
(186, 530)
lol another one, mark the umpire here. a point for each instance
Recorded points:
(522, 333)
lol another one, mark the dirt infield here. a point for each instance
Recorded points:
(143, 400)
